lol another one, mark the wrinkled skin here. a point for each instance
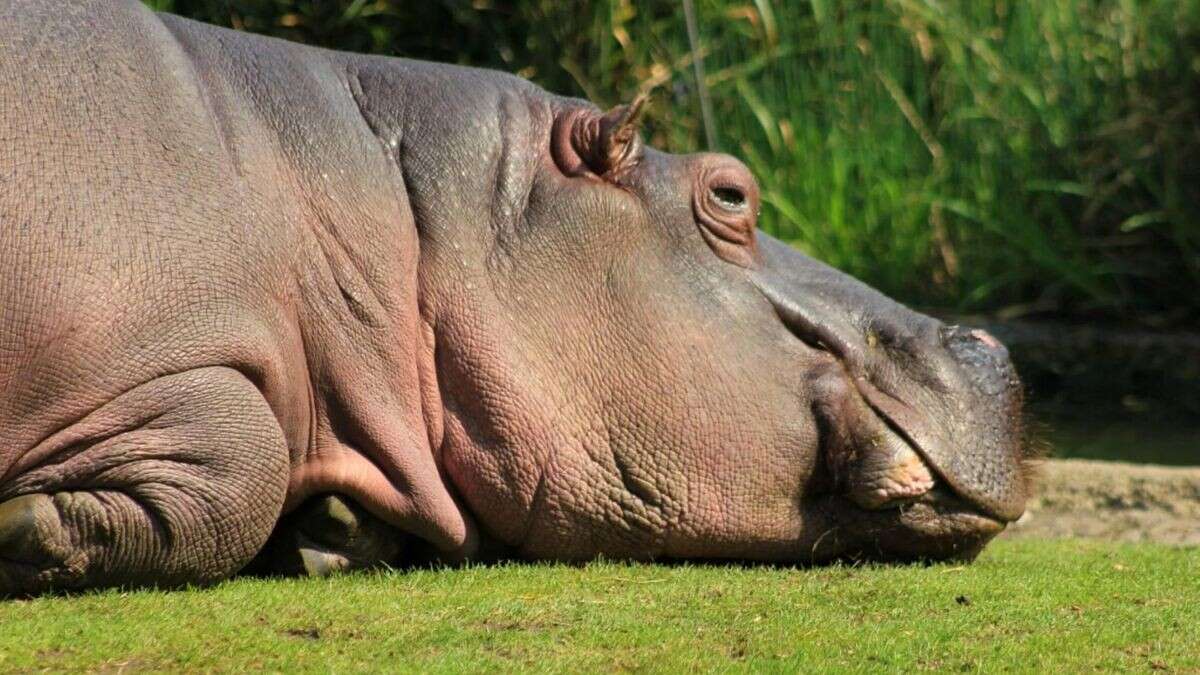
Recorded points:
(377, 306)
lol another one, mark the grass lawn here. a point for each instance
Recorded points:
(1026, 605)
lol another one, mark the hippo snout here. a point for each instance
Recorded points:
(915, 412)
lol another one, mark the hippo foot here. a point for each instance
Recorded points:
(326, 535)
(31, 543)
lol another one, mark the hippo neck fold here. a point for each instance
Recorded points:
(323, 141)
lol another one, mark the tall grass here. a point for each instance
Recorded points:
(979, 155)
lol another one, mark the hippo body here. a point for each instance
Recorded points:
(239, 274)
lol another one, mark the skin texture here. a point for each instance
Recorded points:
(377, 306)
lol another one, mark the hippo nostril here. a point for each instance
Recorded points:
(730, 198)
(972, 337)
(986, 338)
(983, 357)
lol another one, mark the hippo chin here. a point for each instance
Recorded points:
(378, 307)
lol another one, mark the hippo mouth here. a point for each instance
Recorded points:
(930, 466)
(897, 504)
(886, 453)
(902, 479)
(873, 445)
(938, 525)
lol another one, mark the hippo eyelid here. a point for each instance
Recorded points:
(725, 205)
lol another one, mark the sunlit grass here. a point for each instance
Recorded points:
(1029, 606)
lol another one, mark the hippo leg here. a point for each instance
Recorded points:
(179, 480)
(328, 534)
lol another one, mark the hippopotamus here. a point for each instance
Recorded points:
(267, 303)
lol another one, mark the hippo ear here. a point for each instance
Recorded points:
(586, 142)
(616, 143)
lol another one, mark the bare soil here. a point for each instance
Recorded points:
(1114, 501)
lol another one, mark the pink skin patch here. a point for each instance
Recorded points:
(986, 338)
(906, 480)
(903, 476)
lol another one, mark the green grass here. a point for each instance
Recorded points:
(1028, 606)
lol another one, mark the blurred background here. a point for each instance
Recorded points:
(1032, 167)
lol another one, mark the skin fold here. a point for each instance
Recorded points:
(267, 304)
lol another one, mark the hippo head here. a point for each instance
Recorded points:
(627, 368)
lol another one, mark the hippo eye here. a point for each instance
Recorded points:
(725, 204)
(730, 199)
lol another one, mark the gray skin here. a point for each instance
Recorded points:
(245, 282)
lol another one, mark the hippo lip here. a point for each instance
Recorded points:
(942, 503)
(938, 525)
(891, 473)
(904, 421)
(947, 503)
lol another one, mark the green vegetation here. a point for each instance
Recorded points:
(1029, 606)
(1012, 157)
(1124, 436)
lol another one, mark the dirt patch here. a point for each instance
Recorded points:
(1114, 501)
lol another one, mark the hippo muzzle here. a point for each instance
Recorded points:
(918, 418)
